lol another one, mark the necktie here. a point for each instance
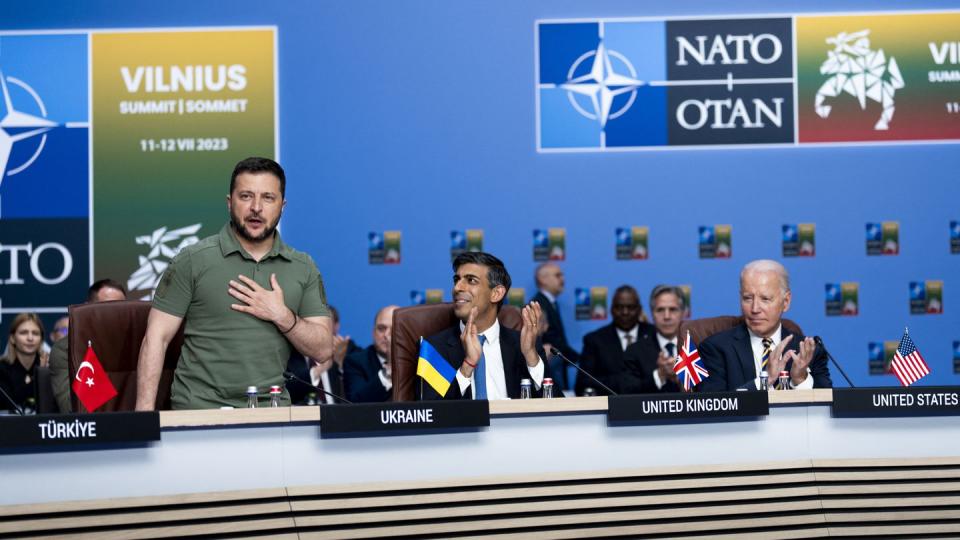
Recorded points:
(480, 373)
(670, 349)
(765, 356)
(627, 340)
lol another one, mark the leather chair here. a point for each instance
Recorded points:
(116, 330)
(410, 323)
(701, 329)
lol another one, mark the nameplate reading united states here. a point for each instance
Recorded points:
(79, 429)
(665, 407)
(882, 402)
(380, 418)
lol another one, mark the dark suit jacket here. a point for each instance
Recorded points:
(299, 391)
(556, 336)
(729, 361)
(640, 361)
(447, 343)
(603, 357)
(361, 379)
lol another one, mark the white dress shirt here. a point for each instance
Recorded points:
(756, 344)
(496, 380)
(662, 341)
(622, 334)
(315, 379)
(382, 374)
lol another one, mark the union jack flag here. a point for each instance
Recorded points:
(689, 367)
(908, 364)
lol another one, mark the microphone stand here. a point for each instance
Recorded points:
(819, 342)
(581, 370)
(290, 376)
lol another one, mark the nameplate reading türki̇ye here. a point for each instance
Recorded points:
(383, 418)
(886, 402)
(666, 407)
(49, 430)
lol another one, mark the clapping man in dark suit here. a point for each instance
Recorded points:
(603, 349)
(649, 361)
(489, 360)
(366, 373)
(549, 279)
(740, 356)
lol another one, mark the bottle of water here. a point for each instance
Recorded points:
(783, 381)
(547, 387)
(764, 380)
(526, 389)
(275, 396)
(251, 397)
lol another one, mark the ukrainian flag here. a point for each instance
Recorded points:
(434, 368)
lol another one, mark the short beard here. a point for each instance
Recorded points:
(240, 230)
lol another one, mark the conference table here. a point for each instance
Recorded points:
(550, 468)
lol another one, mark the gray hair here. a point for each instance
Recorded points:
(664, 289)
(761, 266)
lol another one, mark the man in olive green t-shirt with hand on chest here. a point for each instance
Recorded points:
(245, 298)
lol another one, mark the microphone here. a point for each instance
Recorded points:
(818, 341)
(16, 407)
(290, 376)
(581, 370)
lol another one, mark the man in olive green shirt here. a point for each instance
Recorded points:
(245, 298)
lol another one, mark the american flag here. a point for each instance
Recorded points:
(689, 367)
(907, 364)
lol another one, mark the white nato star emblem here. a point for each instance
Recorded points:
(601, 85)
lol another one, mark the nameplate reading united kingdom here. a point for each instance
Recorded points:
(885, 402)
(366, 419)
(667, 407)
(38, 432)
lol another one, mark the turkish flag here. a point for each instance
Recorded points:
(91, 383)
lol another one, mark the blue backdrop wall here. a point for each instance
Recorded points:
(420, 117)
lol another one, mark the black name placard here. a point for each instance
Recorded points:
(668, 407)
(49, 430)
(885, 402)
(425, 416)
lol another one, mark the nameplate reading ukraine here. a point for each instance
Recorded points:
(79, 429)
(660, 407)
(424, 416)
(887, 402)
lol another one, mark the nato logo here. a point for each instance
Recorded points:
(384, 248)
(956, 357)
(44, 171)
(549, 244)
(621, 84)
(632, 243)
(926, 297)
(798, 240)
(593, 85)
(955, 237)
(883, 238)
(843, 299)
(591, 303)
(429, 296)
(715, 241)
(875, 361)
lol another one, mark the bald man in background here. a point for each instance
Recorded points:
(367, 372)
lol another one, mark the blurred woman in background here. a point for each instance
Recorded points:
(18, 367)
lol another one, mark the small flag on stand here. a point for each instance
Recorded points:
(434, 368)
(689, 367)
(908, 364)
(91, 383)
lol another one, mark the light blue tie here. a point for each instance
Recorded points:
(480, 374)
